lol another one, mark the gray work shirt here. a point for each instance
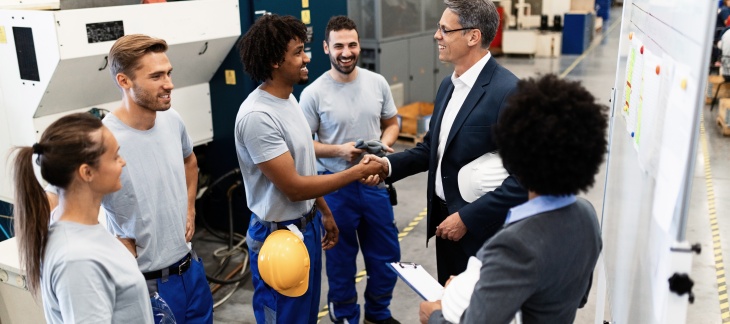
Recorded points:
(267, 127)
(152, 206)
(88, 276)
(345, 112)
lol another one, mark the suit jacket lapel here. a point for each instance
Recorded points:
(437, 126)
(476, 93)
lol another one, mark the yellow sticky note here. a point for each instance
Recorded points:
(305, 3)
(231, 77)
(3, 38)
(305, 17)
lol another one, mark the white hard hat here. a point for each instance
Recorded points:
(480, 176)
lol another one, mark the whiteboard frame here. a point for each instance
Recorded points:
(674, 306)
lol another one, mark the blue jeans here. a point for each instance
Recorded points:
(363, 214)
(269, 306)
(188, 295)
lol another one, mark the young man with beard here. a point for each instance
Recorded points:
(343, 105)
(276, 155)
(154, 212)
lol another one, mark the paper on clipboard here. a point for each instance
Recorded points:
(419, 280)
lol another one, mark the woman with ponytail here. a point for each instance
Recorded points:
(84, 273)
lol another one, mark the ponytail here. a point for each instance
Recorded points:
(64, 146)
(32, 214)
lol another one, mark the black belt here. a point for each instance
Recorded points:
(301, 222)
(178, 268)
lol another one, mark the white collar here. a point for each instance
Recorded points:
(470, 76)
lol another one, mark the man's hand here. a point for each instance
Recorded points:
(130, 244)
(331, 232)
(387, 148)
(452, 228)
(368, 158)
(190, 226)
(368, 168)
(426, 309)
(371, 180)
(348, 152)
(375, 167)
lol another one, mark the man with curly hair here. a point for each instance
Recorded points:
(276, 156)
(553, 139)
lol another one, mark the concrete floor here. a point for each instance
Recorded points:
(597, 73)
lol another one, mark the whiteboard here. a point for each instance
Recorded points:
(658, 95)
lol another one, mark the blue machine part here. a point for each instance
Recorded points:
(319, 13)
(219, 156)
(6, 225)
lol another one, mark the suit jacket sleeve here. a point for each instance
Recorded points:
(510, 274)
(411, 161)
(484, 216)
(417, 159)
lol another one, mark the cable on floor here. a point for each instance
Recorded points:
(226, 254)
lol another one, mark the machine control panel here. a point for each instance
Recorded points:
(104, 31)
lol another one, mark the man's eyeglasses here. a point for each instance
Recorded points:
(445, 31)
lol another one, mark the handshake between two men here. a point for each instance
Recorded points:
(452, 228)
(382, 169)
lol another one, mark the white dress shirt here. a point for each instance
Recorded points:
(462, 87)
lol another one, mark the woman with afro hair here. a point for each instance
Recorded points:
(552, 137)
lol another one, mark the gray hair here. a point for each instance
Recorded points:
(480, 14)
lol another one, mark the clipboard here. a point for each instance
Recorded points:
(416, 277)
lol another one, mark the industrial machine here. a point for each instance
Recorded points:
(396, 37)
(54, 62)
(230, 86)
(523, 19)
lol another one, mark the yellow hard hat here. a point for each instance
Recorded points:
(284, 263)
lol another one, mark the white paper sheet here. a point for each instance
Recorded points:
(675, 147)
(652, 108)
(632, 92)
(419, 280)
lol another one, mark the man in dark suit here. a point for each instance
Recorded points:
(467, 105)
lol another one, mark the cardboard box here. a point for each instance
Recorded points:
(713, 81)
(723, 112)
(413, 117)
(548, 44)
(583, 5)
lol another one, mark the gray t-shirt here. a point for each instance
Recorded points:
(152, 206)
(267, 127)
(345, 112)
(88, 276)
